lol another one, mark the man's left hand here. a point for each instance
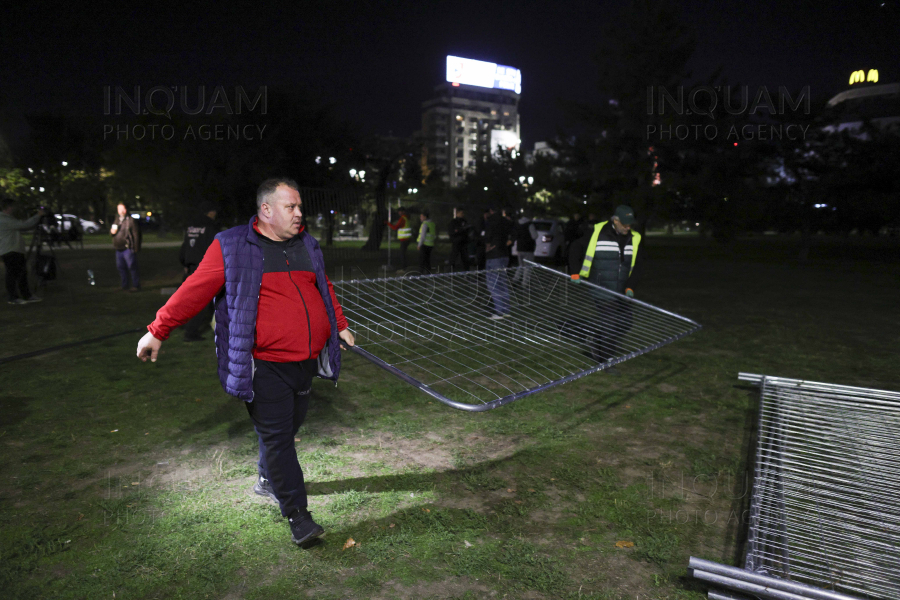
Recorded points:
(347, 337)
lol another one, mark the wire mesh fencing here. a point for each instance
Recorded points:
(476, 340)
(823, 512)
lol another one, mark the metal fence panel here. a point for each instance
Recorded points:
(435, 331)
(824, 510)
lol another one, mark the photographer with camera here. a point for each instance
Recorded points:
(127, 242)
(12, 249)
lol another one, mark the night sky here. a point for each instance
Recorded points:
(376, 62)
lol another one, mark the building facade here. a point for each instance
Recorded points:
(866, 100)
(463, 124)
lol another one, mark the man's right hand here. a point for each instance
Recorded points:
(148, 347)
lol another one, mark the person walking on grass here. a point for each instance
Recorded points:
(127, 242)
(427, 238)
(526, 244)
(498, 238)
(459, 240)
(607, 257)
(12, 249)
(278, 324)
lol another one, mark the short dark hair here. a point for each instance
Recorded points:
(268, 187)
(426, 213)
(6, 202)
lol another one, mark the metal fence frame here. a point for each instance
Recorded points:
(564, 280)
(773, 546)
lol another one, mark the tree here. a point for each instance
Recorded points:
(397, 162)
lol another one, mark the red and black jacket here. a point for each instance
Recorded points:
(291, 323)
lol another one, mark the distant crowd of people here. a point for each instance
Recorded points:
(604, 253)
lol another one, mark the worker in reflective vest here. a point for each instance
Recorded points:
(608, 259)
(427, 237)
(403, 227)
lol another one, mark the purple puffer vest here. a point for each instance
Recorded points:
(236, 310)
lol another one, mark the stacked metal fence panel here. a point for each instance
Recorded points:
(824, 511)
(436, 333)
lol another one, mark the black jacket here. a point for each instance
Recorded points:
(198, 236)
(498, 230)
(459, 230)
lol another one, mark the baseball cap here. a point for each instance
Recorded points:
(624, 214)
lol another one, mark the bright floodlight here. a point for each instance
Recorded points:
(434, 331)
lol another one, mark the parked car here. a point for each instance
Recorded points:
(549, 242)
(349, 228)
(90, 226)
(65, 222)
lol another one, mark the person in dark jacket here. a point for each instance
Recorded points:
(608, 258)
(198, 237)
(526, 243)
(498, 238)
(459, 240)
(127, 243)
(278, 323)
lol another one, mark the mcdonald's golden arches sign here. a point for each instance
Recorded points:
(861, 76)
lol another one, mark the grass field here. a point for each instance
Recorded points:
(131, 480)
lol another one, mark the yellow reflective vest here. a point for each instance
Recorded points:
(592, 249)
(404, 232)
(428, 233)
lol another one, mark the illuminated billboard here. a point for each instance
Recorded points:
(503, 140)
(483, 74)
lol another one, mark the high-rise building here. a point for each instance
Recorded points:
(475, 112)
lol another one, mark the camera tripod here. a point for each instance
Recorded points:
(44, 265)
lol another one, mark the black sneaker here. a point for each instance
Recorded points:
(264, 488)
(303, 528)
